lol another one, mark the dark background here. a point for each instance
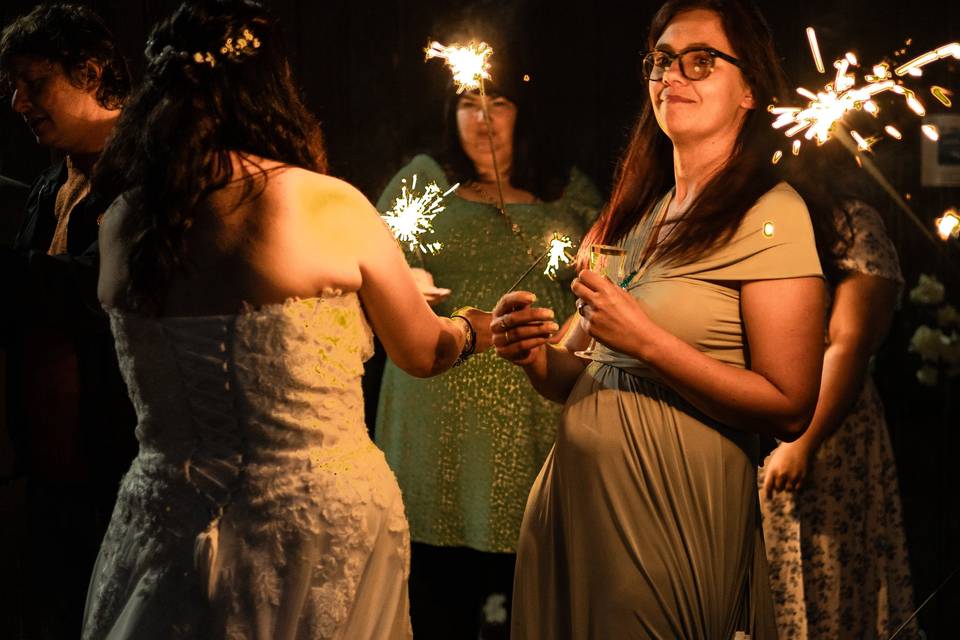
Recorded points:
(361, 68)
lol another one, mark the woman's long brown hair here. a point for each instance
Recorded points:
(645, 171)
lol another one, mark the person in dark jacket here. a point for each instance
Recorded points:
(69, 418)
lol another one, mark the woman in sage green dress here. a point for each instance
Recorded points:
(643, 522)
(467, 446)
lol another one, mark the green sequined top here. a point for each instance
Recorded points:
(467, 445)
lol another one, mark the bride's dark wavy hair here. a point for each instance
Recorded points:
(645, 172)
(217, 82)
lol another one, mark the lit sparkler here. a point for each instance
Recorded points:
(469, 64)
(948, 225)
(412, 215)
(557, 254)
(844, 94)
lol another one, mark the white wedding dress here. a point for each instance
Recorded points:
(258, 506)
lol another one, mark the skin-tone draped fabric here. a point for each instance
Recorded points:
(644, 522)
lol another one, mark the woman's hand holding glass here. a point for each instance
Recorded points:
(611, 315)
(608, 261)
(520, 330)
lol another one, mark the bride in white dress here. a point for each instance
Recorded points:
(241, 286)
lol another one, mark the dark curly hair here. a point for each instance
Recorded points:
(71, 36)
(217, 82)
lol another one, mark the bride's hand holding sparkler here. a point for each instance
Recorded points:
(521, 330)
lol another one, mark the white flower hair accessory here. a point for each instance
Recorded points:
(233, 49)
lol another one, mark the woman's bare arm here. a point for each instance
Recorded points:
(859, 320)
(783, 320)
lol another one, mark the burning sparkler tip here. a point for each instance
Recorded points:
(948, 225)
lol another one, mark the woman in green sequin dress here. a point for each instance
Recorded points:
(467, 446)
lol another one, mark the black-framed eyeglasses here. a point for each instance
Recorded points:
(696, 63)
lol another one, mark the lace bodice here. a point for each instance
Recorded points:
(273, 388)
(252, 443)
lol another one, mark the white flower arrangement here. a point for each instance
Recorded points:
(929, 290)
(937, 346)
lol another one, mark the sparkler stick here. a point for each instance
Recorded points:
(527, 272)
(470, 68)
(493, 153)
(850, 145)
(848, 142)
(930, 597)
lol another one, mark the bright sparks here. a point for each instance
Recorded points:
(469, 64)
(931, 132)
(815, 49)
(952, 49)
(557, 254)
(828, 106)
(412, 215)
(893, 132)
(943, 95)
(862, 143)
(948, 225)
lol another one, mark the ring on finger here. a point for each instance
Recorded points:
(506, 334)
(580, 304)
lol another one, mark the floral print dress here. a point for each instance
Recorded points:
(836, 548)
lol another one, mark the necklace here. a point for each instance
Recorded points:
(489, 198)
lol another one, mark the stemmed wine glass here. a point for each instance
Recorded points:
(608, 261)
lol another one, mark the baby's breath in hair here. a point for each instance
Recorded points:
(234, 49)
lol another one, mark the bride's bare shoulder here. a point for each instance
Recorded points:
(320, 196)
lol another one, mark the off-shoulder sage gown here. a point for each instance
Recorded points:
(643, 522)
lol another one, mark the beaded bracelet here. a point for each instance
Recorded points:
(470, 344)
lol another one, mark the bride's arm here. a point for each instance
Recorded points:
(415, 338)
